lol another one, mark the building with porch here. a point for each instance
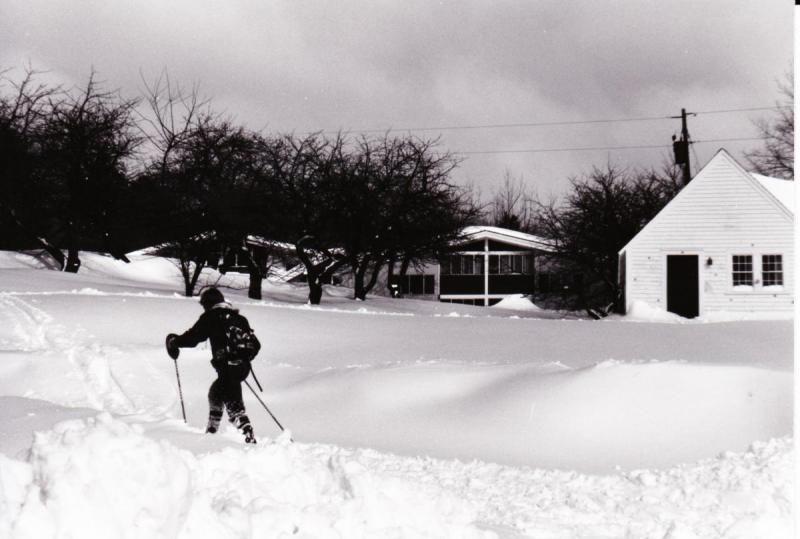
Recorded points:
(487, 265)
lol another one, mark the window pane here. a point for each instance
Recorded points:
(455, 265)
(527, 264)
(479, 265)
(404, 288)
(493, 264)
(772, 270)
(516, 263)
(505, 264)
(467, 264)
(416, 284)
(742, 270)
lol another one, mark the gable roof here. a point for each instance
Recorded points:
(780, 195)
(513, 237)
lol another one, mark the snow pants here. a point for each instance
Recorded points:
(226, 393)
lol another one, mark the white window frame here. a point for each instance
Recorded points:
(781, 272)
(758, 286)
(733, 271)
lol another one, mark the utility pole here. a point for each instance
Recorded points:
(681, 147)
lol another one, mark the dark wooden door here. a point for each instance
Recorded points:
(683, 287)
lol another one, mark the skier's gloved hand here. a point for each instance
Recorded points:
(172, 349)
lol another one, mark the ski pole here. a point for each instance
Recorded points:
(261, 389)
(180, 391)
(275, 419)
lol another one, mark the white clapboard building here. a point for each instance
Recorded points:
(724, 243)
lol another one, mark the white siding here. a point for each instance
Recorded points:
(722, 212)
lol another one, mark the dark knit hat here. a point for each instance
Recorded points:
(210, 297)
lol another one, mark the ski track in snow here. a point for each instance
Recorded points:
(35, 330)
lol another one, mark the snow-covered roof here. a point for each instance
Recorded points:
(514, 237)
(781, 189)
(264, 242)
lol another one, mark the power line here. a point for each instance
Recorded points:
(752, 109)
(543, 150)
(603, 148)
(547, 124)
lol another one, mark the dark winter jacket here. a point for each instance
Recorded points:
(211, 325)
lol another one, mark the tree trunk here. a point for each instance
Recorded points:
(190, 275)
(73, 261)
(404, 267)
(254, 290)
(316, 273)
(312, 271)
(392, 283)
(256, 277)
(360, 270)
(198, 267)
(390, 270)
(314, 290)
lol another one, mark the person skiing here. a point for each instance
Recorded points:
(233, 346)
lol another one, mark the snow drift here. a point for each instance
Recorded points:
(411, 418)
(104, 478)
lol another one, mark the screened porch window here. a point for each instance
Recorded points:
(511, 264)
(462, 265)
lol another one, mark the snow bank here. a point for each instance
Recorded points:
(21, 260)
(745, 495)
(641, 311)
(102, 478)
(517, 302)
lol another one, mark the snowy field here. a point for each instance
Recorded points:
(409, 418)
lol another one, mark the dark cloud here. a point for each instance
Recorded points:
(355, 65)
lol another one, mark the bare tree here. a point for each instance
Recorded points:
(600, 214)
(366, 203)
(776, 158)
(24, 106)
(320, 266)
(304, 171)
(512, 204)
(394, 202)
(171, 126)
(87, 142)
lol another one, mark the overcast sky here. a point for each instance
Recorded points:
(308, 65)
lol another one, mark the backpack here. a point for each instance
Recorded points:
(240, 340)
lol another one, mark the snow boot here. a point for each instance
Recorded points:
(214, 417)
(249, 435)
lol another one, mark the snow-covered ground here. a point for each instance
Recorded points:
(409, 418)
